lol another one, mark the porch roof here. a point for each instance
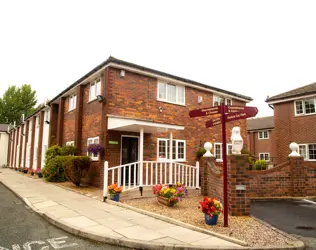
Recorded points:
(120, 123)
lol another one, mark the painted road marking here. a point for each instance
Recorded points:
(56, 243)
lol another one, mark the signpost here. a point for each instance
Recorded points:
(227, 114)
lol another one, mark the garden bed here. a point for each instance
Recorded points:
(243, 228)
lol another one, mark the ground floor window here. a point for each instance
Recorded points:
(178, 149)
(308, 151)
(264, 156)
(70, 143)
(218, 150)
(94, 140)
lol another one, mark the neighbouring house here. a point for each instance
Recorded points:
(261, 138)
(4, 143)
(140, 117)
(295, 121)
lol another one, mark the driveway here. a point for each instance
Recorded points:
(296, 217)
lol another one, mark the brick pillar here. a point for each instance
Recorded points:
(40, 140)
(78, 119)
(21, 144)
(204, 173)
(238, 180)
(53, 121)
(298, 176)
(27, 123)
(16, 146)
(60, 122)
(12, 147)
(9, 150)
(32, 141)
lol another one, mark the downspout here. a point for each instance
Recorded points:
(270, 105)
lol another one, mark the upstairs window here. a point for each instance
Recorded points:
(171, 93)
(72, 102)
(178, 150)
(217, 101)
(305, 107)
(95, 89)
(263, 135)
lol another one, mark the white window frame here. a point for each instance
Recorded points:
(303, 105)
(306, 157)
(261, 135)
(264, 156)
(97, 89)
(221, 150)
(70, 143)
(218, 99)
(72, 102)
(166, 93)
(167, 150)
(93, 158)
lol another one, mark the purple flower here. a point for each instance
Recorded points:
(95, 148)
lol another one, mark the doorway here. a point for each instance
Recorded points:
(129, 154)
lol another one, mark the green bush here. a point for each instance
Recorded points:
(250, 156)
(76, 167)
(260, 165)
(68, 150)
(51, 153)
(200, 153)
(54, 170)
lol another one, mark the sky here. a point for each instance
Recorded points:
(255, 48)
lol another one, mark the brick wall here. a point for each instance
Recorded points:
(68, 123)
(290, 128)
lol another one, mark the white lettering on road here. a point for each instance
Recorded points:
(27, 245)
(57, 243)
(16, 247)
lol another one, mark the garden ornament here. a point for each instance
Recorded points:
(237, 141)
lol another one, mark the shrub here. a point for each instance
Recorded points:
(200, 153)
(250, 156)
(76, 167)
(51, 153)
(260, 165)
(68, 150)
(54, 170)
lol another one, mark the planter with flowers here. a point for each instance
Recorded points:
(169, 196)
(211, 208)
(115, 191)
(39, 173)
(95, 149)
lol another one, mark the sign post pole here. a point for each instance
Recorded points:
(224, 164)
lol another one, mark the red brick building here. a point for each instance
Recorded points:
(261, 138)
(295, 121)
(136, 114)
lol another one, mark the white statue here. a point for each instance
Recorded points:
(237, 141)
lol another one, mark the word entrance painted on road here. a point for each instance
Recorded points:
(56, 243)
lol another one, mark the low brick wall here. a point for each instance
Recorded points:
(310, 174)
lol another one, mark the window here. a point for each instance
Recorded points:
(308, 151)
(264, 156)
(95, 89)
(263, 134)
(70, 143)
(171, 93)
(47, 118)
(37, 121)
(305, 107)
(218, 150)
(72, 102)
(94, 140)
(217, 101)
(178, 149)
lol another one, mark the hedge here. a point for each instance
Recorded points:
(76, 167)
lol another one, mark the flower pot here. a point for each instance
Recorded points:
(165, 201)
(210, 220)
(32, 173)
(115, 197)
(39, 175)
(25, 171)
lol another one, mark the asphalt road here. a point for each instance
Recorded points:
(21, 228)
(296, 217)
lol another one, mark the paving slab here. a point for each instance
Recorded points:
(44, 204)
(115, 222)
(80, 221)
(168, 240)
(139, 233)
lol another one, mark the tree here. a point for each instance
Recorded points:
(15, 102)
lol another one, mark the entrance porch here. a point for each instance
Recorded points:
(135, 160)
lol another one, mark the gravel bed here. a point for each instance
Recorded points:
(243, 228)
